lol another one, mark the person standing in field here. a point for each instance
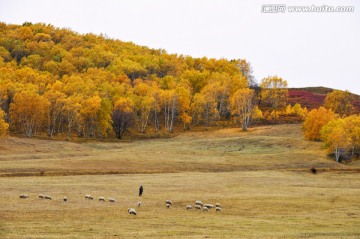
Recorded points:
(141, 190)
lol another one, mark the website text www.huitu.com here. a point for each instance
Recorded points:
(282, 8)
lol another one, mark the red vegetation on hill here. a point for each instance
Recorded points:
(305, 98)
(314, 97)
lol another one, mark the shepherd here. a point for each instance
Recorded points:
(141, 189)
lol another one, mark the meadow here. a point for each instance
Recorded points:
(261, 178)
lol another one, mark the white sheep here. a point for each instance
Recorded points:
(198, 203)
(47, 197)
(205, 209)
(197, 207)
(218, 209)
(139, 204)
(88, 196)
(102, 199)
(112, 200)
(168, 202)
(24, 196)
(65, 199)
(41, 196)
(131, 211)
(209, 206)
(217, 205)
(188, 207)
(168, 205)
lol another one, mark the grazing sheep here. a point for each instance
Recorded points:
(205, 209)
(188, 207)
(218, 209)
(47, 197)
(65, 199)
(209, 206)
(102, 199)
(168, 205)
(131, 211)
(168, 202)
(217, 205)
(139, 204)
(197, 207)
(88, 196)
(112, 200)
(24, 196)
(41, 196)
(198, 203)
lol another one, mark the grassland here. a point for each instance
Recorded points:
(260, 177)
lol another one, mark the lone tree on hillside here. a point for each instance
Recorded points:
(274, 91)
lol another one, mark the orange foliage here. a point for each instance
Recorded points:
(315, 120)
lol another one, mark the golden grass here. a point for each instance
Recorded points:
(265, 188)
(263, 148)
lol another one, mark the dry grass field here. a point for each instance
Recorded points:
(261, 178)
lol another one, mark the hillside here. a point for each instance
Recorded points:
(262, 148)
(314, 97)
(55, 82)
(85, 85)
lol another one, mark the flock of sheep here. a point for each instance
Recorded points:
(168, 203)
(198, 205)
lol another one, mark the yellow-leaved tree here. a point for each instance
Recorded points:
(169, 101)
(3, 125)
(274, 91)
(29, 112)
(339, 102)
(298, 110)
(88, 124)
(336, 138)
(257, 113)
(71, 111)
(183, 92)
(352, 127)
(315, 120)
(56, 99)
(242, 104)
(143, 103)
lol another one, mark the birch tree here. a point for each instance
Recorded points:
(242, 103)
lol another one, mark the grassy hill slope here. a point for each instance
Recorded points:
(263, 148)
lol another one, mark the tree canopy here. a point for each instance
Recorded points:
(56, 81)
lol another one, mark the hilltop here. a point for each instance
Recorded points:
(314, 97)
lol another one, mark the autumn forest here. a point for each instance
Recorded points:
(57, 83)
